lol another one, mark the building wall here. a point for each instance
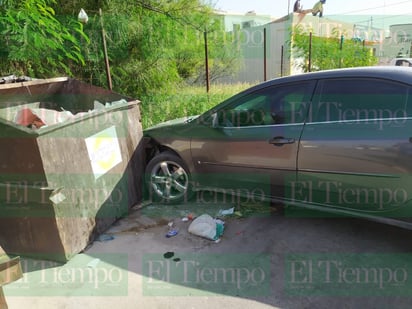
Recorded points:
(279, 59)
(237, 21)
(398, 43)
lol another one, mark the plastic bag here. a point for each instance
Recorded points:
(207, 227)
(82, 17)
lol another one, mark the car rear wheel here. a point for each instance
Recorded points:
(168, 178)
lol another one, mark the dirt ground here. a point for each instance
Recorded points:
(265, 259)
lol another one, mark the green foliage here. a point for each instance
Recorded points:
(330, 53)
(184, 101)
(155, 45)
(224, 55)
(34, 42)
(144, 43)
(146, 57)
(152, 45)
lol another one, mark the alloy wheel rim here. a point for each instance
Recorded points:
(169, 180)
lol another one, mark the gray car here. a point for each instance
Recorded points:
(339, 141)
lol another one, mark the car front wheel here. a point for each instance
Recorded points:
(168, 178)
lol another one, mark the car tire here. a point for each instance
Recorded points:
(168, 179)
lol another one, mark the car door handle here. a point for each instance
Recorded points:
(280, 140)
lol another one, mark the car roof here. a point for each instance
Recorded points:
(395, 73)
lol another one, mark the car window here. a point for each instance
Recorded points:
(359, 99)
(403, 63)
(282, 104)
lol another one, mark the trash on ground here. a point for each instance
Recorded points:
(207, 227)
(226, 212)
(188, 217)
(105, 237)
(168, 255)
(171, 233)
(219, 221)
(238, 214)
(93, 263)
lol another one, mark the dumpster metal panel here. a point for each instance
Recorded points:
(10, 268)
(10, 271)
(64, 183)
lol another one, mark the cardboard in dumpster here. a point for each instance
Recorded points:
(65, 182)
(40, 118)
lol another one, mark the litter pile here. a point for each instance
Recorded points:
(205, 225)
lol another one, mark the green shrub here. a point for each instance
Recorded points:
(184, 101)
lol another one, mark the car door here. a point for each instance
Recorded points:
(250, 145)
(351, 155)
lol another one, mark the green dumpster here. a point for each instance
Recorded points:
(70, 165)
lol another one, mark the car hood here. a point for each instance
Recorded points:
(172, 123)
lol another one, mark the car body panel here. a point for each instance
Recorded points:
(380, 184)
(246, 156)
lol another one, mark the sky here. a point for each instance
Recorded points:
(278, 8)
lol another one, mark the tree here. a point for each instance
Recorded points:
(152, 45)
(330, 53)
(155, 45)
(146, 40)
(34, 42)
(223, 52)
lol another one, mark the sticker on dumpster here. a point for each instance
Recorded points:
(104, 151)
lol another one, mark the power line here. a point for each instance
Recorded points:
(377, 17)
(376, 7)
